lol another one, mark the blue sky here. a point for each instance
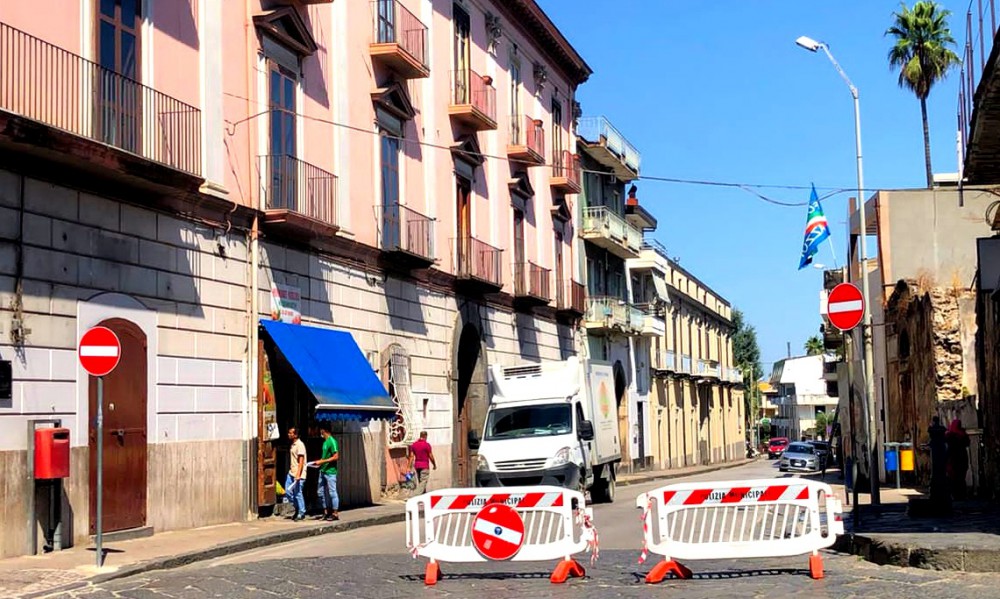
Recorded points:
(718, 90)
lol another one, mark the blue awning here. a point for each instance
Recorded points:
(332, 366)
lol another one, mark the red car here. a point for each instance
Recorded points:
(776, 446)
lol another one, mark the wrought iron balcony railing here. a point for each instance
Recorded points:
(292, 185)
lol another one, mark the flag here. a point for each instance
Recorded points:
(817, 230)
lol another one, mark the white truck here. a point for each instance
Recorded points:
(551, 423)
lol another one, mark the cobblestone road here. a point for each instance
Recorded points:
(615, 575)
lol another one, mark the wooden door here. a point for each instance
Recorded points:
(560, 284)
(464, 453)
(463, 29)
(266, 427)
(520, 268)
(124, 437)
(464, 226)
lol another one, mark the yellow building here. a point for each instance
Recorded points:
(697, 411)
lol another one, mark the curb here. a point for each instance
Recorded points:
(237, 546)
(668, 474)
(887, 553)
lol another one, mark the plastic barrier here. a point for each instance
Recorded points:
(519, 524)
(738, 519)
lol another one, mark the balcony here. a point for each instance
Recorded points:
(408, 237)
(609, 147)
(685, 366)
(979, 97)
(298, 197)
(708, 369)
(571, 299)
(400, 40)
(531, 285)
(565, 172)
(611, 314)
(605, 229)
(668, 363)
(830, 371)
(46, 84)
(473, 100)
(651, 321)
(478, 266)
(527, 141)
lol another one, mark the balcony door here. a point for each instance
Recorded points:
(520, 268)
(560, 283)
(463, 27)
(386, 21)
(464, 225)
(282, 83)
(557, 138)
(118, 94)
(515, 98)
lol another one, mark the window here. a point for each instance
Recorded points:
(520, 268)
(557, 123)
(403, 427)
(118, 107)
(462, 30)
(515, 97)
(282, 84)
(392, 229)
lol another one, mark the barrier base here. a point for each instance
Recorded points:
(568, 568)
(660, 571)
(432, 573)
(816, 567)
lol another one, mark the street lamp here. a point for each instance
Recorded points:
(866, 325)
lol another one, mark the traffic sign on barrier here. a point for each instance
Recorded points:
(520, 524)
(738, 519)
(498, 532)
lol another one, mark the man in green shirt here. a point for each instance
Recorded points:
(327, 464)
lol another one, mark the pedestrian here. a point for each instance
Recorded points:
(939, 495)
(421, 459)
(327, 464)
(295, 479)
(958, 458)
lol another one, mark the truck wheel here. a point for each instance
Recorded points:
(604, 490)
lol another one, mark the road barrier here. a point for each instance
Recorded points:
(519, 524)
(738, 519)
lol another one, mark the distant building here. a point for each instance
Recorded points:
(807, 388)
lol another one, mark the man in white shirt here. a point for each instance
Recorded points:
(296, 477)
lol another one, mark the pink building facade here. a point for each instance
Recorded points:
(404, 171)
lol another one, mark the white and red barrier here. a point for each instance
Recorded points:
(738, 519)
(518, 524)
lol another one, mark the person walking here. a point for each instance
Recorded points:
(327, 464)
(958, 458)
(296, 477)
(421, 459)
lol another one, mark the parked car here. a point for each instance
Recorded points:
(823, 451)
(799, 457)
(775, 446)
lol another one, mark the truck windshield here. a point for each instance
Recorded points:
(529, 421)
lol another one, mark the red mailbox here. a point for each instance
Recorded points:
(51, 453)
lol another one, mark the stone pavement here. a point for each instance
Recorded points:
(35, 576)
(616, 574)
(968, 540)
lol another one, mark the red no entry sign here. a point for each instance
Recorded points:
(497, 532)
(99, 351)
(845, 306)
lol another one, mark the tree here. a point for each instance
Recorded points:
(822, 421)
(746, 354)
(814, 346)
(922, 55)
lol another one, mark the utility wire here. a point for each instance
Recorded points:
(747, 187)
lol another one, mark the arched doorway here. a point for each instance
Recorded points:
(621, 392)
(124, 438)
(470, 395)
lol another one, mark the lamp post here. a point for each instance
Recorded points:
(866, 324)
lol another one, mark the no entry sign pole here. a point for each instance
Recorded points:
(99, 354)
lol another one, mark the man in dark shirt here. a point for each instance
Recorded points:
(421, 459)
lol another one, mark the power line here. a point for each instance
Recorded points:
(749, 188)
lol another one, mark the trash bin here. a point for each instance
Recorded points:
(891, 459)
(51, 453)
(906, 460)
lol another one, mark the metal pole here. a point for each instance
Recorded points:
(100, 472)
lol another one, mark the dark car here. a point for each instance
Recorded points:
(776, 446)
(823, 451)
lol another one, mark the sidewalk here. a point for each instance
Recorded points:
(968, 540)
(41, 575)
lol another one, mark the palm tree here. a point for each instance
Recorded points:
(922, 55)
(814, 346)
